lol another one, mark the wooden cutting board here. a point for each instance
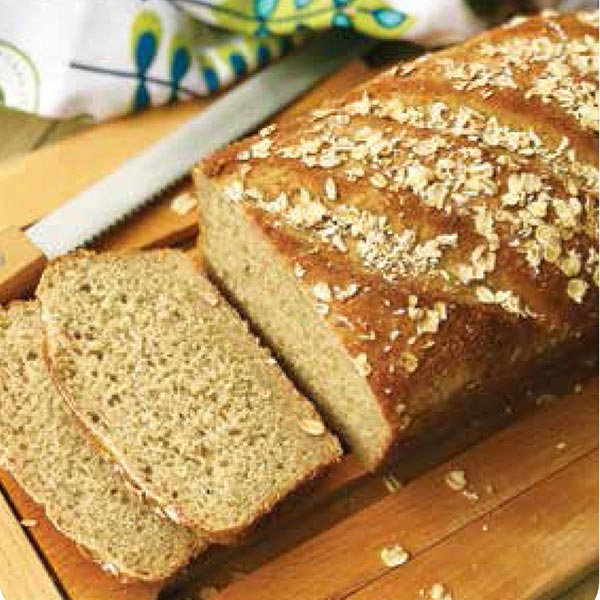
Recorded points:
(528, 528)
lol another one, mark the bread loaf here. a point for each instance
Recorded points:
(48, 455)
(424, 237)
(166, 377)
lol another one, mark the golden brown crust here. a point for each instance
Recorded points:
(542, 66)
(443, 217)
(426, 77)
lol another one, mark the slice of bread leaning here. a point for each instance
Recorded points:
(167, 378)
(426, 238)
(53, 461)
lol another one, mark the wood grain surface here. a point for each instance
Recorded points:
(21, 263)
(426, 512)
(24, 577)
(534, 540)
(540, 513)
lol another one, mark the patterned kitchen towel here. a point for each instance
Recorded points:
(69, 58)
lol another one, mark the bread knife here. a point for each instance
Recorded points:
(142, 178)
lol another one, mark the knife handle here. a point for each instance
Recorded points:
(21, 264)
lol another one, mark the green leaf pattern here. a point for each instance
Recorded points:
(283, 17)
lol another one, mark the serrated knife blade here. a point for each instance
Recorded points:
(141, 178)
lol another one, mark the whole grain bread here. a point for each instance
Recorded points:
(49, 456)
(425, 236)
(167, 378)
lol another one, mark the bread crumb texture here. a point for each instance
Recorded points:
(83, 496)
(166, 376)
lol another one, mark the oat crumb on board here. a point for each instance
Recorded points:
(456, 480)
(438, 591)
(182, 204)
(391, 483)
(471, 495)
(29, 523)
(394, 556)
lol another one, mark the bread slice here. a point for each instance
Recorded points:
(165, 375)
(409, 247)
(49, 456)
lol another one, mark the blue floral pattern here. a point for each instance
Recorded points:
(149, 52)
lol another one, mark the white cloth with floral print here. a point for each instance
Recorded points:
(69, 58)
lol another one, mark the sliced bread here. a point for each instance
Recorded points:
(49, 456)
(165, 375)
